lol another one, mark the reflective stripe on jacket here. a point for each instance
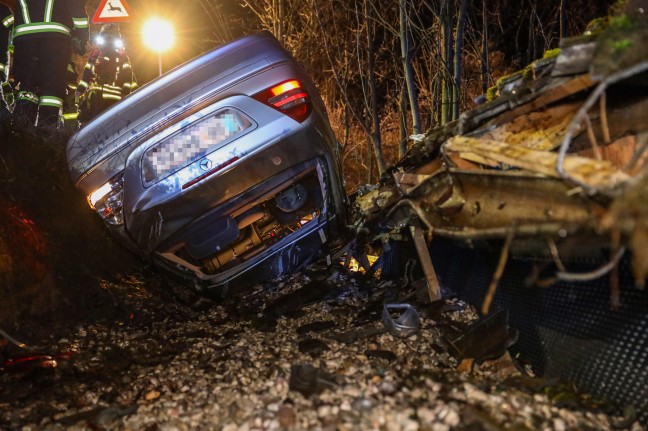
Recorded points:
(50, 16)
(5, 40)
(8, 21)
(121, 74)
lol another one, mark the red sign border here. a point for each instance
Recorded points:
(96, 19)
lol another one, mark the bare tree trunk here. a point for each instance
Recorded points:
(407, 69)
(370, 157)
(485, 64)
(373, 91)
(402, 145)
(531, 44)
(456, 89)
(447, 14)
(563, 19)
(278, 18)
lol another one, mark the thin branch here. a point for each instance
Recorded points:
(498, 272)
(580, 115)
(604, 118)
(592, 275)
(555, 256)
(12, 340)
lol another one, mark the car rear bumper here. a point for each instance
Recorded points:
(264, 242)
(286, 257)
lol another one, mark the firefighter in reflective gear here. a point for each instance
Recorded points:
(70, 106)
(44, 33)
(6, 26)
(108, 75)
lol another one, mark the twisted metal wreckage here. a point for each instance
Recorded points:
(555, 165)
(549, 174)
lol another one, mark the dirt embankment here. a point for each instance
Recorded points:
(54, 251)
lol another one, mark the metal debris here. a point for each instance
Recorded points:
(28, 363)
(401, 320)
(559, 158)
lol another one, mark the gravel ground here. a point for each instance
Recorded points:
(309, 352)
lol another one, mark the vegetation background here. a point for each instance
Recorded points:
(387, 69)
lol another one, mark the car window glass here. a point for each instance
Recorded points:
(191, 143)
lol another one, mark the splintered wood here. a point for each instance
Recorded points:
(542, 130)
(597, 173)
(560, 157)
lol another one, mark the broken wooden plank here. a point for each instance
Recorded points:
(619, 152)
(595, 173)
(557, 92)
(540, 130)
(434, 288)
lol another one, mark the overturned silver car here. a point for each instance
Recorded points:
(224, 171)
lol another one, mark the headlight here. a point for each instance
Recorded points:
(108, 200)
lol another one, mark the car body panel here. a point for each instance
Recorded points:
(216, 182)
(164, 206)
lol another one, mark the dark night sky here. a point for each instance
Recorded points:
(191, 27)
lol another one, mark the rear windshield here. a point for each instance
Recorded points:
(192, 143)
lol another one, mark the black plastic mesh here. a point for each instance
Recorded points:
(568, 330)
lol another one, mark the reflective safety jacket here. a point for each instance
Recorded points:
(109, 73)
(42, 18)
(70, 107)
(6, 25)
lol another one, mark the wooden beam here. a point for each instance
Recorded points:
(434, 289)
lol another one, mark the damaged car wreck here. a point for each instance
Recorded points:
(536, 202)
(533, 202)
(224, 169)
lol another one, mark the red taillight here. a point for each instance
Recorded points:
(288, 97)
(285, 87)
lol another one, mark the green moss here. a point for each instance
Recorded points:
(622, 45)
(596, 25)
(617, 7)
(527, 73)
(502, 80)
(491, 93)
(551, 53)
(621, 22)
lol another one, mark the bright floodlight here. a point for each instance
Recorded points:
(158, 34)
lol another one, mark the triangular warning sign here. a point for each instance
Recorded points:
(112, 11)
